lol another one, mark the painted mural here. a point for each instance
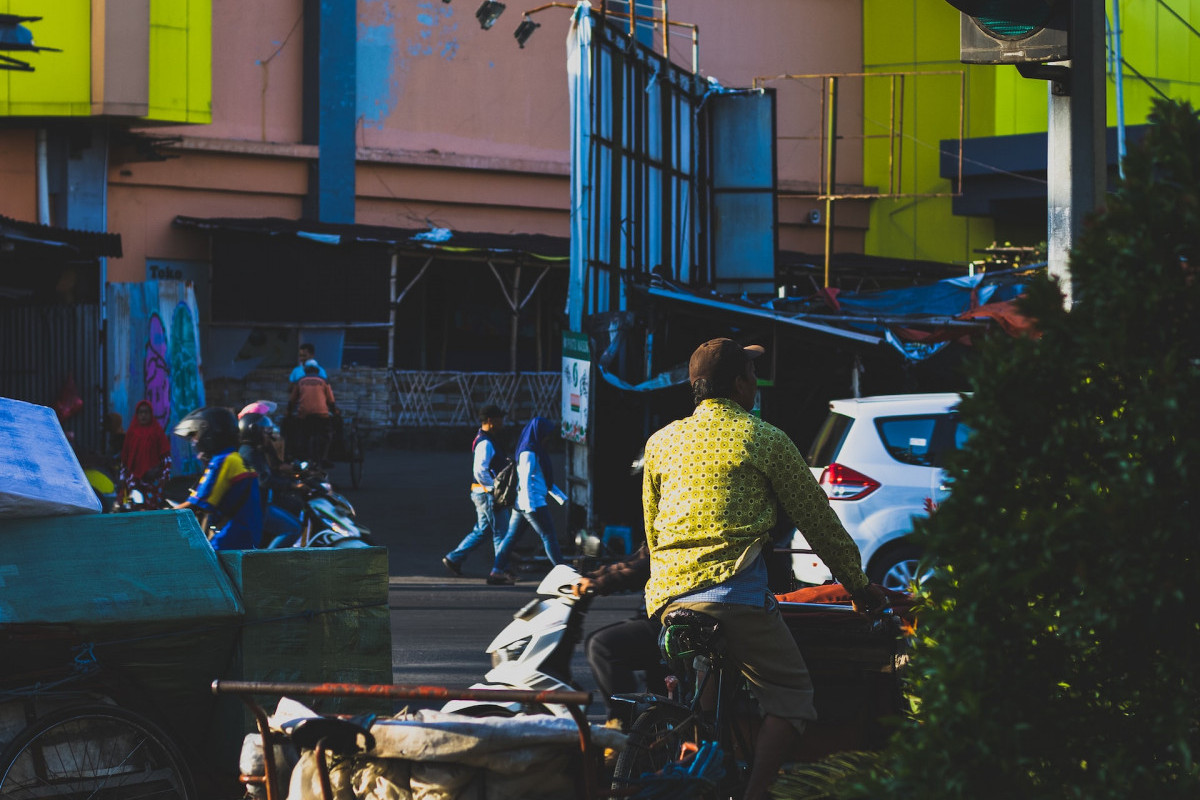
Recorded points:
(153, 353)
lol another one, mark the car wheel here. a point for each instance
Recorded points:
(897, 568)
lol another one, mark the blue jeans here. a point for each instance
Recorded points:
(543, 525)
(485, 525)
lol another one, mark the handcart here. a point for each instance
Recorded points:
(339, 735)
(71, 729)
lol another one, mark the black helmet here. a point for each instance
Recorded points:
(257, 429)
(212, 429)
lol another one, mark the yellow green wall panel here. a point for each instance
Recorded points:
(1162, 53)
(60, 85)
(179, 65)
(181, 61)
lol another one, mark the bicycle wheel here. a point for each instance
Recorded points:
(658, 737)
(94, 752)
(354, 451)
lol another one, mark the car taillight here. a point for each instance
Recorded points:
(843, 483)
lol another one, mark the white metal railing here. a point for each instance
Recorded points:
(454, 398)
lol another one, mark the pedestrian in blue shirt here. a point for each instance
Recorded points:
(308, 352)
(488, 459)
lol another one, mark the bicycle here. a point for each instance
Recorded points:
(710, 704)
(80, 736)
(94, 750)
(669, 729)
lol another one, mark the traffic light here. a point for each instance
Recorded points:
(1014, 31)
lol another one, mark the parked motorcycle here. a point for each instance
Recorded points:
(534, 651)
(311, 514)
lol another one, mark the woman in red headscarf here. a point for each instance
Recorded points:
(145, 458)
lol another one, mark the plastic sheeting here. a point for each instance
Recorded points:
(432, 755)
(39, 473)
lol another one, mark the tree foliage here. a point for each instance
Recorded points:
(1059, 650)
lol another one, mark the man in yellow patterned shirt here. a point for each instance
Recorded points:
(710, 492)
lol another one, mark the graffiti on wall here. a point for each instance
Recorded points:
(154, 354)
(156, 373)
(183, 356)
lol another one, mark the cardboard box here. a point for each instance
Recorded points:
(316, 615)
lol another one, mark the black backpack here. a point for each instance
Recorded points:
(504, 485)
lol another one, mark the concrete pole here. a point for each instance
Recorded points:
(1076, 163)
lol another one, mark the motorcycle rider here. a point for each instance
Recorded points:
(227, 494)
(258, 434)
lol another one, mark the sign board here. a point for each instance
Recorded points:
(577, 366)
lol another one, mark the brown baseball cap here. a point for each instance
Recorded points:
(721, 360)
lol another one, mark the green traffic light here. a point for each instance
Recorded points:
(1008, 28)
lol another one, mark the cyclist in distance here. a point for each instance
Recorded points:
(710, 491)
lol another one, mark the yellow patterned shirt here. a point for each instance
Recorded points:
(711, 485)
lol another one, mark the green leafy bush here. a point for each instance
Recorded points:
(1059, 656)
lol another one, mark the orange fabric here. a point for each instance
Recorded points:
(1006, 315)
(834, 593)
(311, 396)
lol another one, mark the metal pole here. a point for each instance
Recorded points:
(1075, 154)
(515, 324)
(1119, 78)
(391, 362)
(830, 172)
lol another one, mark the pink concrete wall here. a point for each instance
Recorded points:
(458, 127)
(144, 198)
(256, 71)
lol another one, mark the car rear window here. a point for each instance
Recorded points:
(922, 440)
(829, 440)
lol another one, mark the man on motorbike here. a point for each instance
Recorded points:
(258, 434)
(711, 486)
(310, 400)
(227, 495)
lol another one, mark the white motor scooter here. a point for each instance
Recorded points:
(534, 650)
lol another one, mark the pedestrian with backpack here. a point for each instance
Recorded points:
(536, 483)
(488, 460)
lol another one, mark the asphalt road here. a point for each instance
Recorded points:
(416, 504)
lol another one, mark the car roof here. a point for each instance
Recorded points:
(886, 404)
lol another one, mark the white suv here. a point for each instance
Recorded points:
(880, 461)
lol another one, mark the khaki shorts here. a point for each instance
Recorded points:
(760, 642)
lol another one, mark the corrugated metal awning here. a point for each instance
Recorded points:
(72, 243)
(549, 248)
(719, 303)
